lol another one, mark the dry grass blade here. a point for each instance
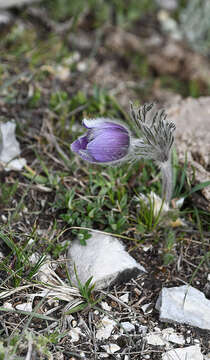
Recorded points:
(9, 292)
(54, 288)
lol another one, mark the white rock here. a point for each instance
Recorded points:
(25, 306)
(143, 329)
(167, 4)
(34, 258)
(16, 164)
(45, 271)
(187, 353)
(104, 258)
(5, 18)
(10, 148)
(82, 66)
(4, 218)
(127, 326)
(7, 305)
(170, 335)
(124, 298)
(105, 328)
(111, 348)
(185, 305)
(103, 355)
(155, 339)
(188, 340)
(75, 334)
(146, 308)
(105, 306)
(161, 338)
(4, 4)
(147, 247)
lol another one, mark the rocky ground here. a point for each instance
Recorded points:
(58, 65)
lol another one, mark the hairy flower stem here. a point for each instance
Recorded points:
(167, 183)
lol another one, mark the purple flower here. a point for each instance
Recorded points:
(104, 142)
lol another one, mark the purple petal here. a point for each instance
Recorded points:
(80, 144)
(109, 145)
(85, 155)
(101, 123)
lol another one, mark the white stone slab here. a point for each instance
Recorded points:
(10, 148)
(185, 305)
(187, 353)
(104, 258)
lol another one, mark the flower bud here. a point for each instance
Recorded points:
(104, 142)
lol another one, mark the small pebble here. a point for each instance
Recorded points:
(4, 218)
(127, 326)
(105, 306)
(82, 66)
(146, 308)
(75, 334)
(143, 329)
(74, 323)
(7, 305)
(111, 348)
(124, 298)
(24, 307)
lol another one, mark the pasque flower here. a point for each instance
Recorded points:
(104, 142)
(107, 141)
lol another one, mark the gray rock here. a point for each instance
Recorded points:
(127, 326)
(170, 335)
(155, 339)
(167, 4)
(5, 4)
(104, 258)
(191, 117)
(5, 18)
(185, 305)
(111, 348)
(164, 337)
(188, 353)
(105, 328)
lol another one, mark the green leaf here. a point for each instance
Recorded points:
(33, 314)
(197, 188)
(76, 309)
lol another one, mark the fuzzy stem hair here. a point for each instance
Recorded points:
(167, 183)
